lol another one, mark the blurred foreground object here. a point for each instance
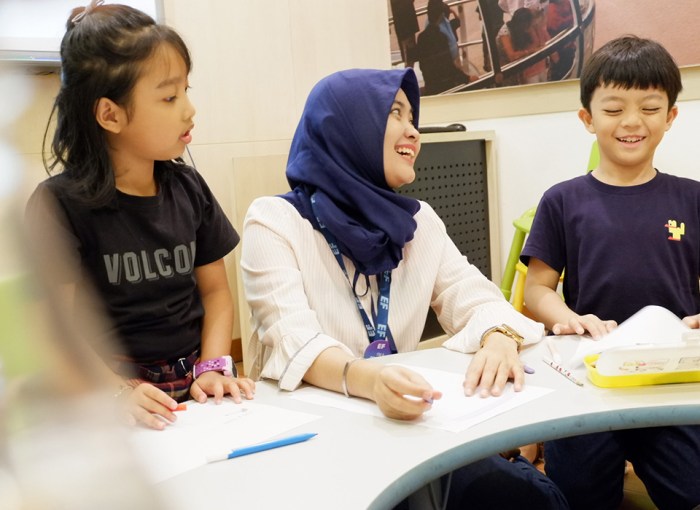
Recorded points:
(61, 444)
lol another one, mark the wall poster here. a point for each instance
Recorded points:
(462, 45)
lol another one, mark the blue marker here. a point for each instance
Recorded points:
(261, 447)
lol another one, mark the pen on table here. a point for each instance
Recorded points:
(553, 350)
(261, 447)
(563, 371)
(418, 399)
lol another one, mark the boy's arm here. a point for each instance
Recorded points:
(549, 308)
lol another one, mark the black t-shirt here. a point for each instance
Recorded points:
(140, 254)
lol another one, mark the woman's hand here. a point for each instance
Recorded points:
(579, 324)
(402, 394)
(149, 406)
(217, 385)
(493, 365)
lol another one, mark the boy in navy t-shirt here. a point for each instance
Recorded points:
(627, 236)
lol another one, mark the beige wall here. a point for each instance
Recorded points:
(674, 24)
(255, 62)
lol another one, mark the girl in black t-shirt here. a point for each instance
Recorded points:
(144, 228)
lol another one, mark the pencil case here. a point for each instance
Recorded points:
(645, 365)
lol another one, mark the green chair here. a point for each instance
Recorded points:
(522, 228)
(594, 158)
(522, 225)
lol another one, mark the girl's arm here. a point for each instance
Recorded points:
(218, 309)
(216, 335)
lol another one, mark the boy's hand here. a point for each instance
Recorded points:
(579, 324)
(692, 321)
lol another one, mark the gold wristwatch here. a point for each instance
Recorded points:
(507, 331)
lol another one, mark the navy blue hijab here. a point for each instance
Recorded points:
(338, 154)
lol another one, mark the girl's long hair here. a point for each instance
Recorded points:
(102, 55)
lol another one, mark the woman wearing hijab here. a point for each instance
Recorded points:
(342, 269)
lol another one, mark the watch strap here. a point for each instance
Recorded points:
(223, 364)
(505, 330)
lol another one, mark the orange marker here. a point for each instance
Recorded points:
(181, 407)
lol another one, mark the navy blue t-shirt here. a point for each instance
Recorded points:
(623, 247)
(140, 254)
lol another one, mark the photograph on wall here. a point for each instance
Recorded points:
(463, 45)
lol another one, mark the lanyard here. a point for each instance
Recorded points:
(381, 341)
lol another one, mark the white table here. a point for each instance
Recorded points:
(359, 461)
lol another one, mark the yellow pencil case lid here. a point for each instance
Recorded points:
(644, 366)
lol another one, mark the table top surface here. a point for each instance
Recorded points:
(362, 461)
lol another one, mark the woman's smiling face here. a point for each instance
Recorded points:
(401, 143)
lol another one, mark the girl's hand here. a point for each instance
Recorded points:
(579, 324)
(402, 394)
(217, 385)
(692, 321)
(493, 365)
(144, 402)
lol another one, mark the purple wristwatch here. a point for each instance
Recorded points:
(222, 364)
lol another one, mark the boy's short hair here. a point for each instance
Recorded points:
(631, 62)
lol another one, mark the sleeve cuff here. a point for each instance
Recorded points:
(467, 340)
(290, 375)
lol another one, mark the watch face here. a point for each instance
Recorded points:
(227, 365)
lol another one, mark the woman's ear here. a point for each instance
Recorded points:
(587, 120)
(109, 115)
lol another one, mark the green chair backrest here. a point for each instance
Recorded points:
(594, 158)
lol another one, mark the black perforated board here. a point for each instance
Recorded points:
(451, 177)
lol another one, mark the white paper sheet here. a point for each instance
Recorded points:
(650, 325)
(453, 412)
(204, 429)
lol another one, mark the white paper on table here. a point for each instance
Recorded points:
(454, 412)
(650, 325)
(208, 428)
